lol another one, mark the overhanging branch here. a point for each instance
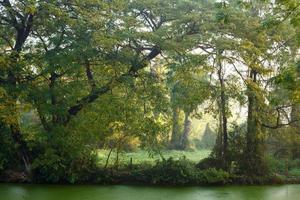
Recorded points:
(97, 92)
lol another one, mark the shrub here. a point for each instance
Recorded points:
(294, 163)
(54, 167)
(295, 172)
(214, 176)
(209, 162)
(276, 165)
(179, 172)
(49, 167)
(172, 171)
(9, 158)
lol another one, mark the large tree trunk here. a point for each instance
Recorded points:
(295, 118)
(175, 137)
(22, 31)
(217, 151)
(253, 158)
(23, 149)
(14, 124)
(53, 77)
(295, 127)
(221, 145)
(223, 113)
(224, 130)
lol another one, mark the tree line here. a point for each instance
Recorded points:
(79, 74)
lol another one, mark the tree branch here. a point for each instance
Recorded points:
(278, 124)
(97, 92)
(89, 75)
(11, 12)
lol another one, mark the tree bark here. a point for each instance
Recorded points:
(108, 156)
(52, 83)
(253, 162)
(223, 113)
(295, 126)
(295, 117)
(89, 75)
(175, 128)
(14, 124)
(23, 30)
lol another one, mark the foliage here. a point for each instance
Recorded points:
(76, 76)
(173, 172)
(276, 165)
(295, 172)
(179, 172)
(214, 176)
(8, 153)
(54, 167)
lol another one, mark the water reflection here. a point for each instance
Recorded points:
(59, 192)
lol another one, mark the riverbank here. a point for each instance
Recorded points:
(156, 176)
(179, 171)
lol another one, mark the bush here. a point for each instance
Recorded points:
(63, 156)
(294, 163)
(214, 176)
(281, 166)
(54, 167)
(173, 172)
(179, 172)
(295, 172)
(209, 162)
(49, 167)
(9, 158)
(276, 165)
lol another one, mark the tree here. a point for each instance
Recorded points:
(208, 138)
(189, 89)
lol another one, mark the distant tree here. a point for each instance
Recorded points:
(208, 138)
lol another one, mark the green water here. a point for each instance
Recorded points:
(58, 192)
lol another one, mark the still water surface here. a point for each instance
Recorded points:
(86, 192)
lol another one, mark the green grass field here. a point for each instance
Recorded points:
(142, 156)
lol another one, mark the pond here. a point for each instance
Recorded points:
(87, 192)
